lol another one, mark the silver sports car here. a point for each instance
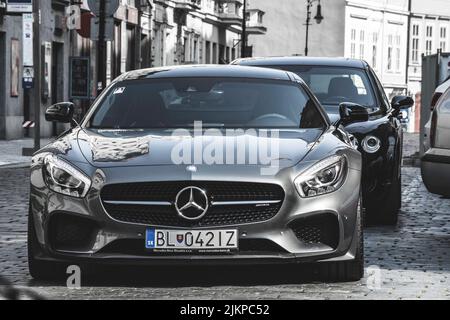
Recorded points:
(199, 165)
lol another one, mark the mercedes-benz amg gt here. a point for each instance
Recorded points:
(199, 165)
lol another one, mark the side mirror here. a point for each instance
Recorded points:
(402, 102)
(351, 113)
(60, 112)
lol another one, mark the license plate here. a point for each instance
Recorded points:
(202, 240)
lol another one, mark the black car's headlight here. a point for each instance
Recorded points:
(324, 177)
(371, 144)
(63, 178)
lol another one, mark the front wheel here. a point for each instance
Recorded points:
(387, 212)
(348, 271)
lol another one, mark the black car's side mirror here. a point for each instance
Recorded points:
(351, 113)
(402, 102)
(60, 112)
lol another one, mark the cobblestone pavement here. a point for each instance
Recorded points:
(11, 151)
(413, 260)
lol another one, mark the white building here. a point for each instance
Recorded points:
(376, 31)
(430, 32)
(373, 30)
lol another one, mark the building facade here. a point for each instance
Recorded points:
(376, 31)
(429, 32)
(285, 22)
(141, 34)
(373, 30)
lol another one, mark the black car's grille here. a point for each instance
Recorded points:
(223, 215)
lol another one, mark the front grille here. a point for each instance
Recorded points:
(167, 191)
(318, 229)
(223, 215)
(137, 247)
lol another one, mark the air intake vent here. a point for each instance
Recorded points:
(71, 233)
(321, 229)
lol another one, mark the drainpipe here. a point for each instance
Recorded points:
(408, 44)
(244, 31)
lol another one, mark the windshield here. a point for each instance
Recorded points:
(216, 102)
(334, 85)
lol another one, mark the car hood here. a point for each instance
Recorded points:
(115, 148)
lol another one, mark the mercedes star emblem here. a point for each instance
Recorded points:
(192, 203)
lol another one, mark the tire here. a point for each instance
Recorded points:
(40, 270)
(348, 271)
(387, 214)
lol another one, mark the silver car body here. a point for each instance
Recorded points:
(111, 157)
(436, 161)
(438, 93)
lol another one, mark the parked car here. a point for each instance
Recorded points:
(436, 161)
(440, 90)
(110, 191)
(338, 80)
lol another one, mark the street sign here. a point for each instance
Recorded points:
(109, 29)
(27, 39)
(79, 81)
(19, 6)
(111, 7)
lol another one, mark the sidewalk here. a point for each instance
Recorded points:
(411, 142)
(11, 152)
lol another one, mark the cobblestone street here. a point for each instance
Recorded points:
(414, 260)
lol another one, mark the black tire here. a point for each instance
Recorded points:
(40, 270)
(387, 214)
(348, 271)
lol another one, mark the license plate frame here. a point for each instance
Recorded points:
(171, 240)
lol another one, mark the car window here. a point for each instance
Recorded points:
(334, 85)
(444, 103)
(216, 102)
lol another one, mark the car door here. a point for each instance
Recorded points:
(441, 126)
(395, 127)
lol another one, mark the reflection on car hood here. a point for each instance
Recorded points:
(113, 148)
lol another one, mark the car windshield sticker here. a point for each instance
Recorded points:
(119, 90)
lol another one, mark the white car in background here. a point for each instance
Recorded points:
(436, 161)
(437, 95)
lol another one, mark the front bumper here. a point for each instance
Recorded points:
(342, 205)
(436, 171)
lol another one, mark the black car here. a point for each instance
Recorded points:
(337, 82)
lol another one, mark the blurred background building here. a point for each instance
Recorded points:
(141, 34)
(392, 35)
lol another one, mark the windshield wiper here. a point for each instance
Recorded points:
(209, 125)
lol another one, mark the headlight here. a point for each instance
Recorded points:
(371, 144)
(324, 177)
(63, 178)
